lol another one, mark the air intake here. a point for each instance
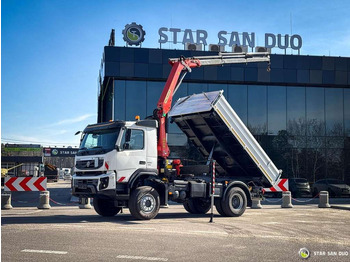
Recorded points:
(240, 49)
(261, 49)
(193, 47)
(216, 48)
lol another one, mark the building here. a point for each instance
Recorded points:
(24, 159)
(299, 112)
(21, 159)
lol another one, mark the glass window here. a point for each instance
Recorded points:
(303, 76)
(154, 90)
(316, 162)
(276, 109)
(296, 110)
(218, 87)
(251, 74)
(257, 109)
(347, 111)
(133, 139)
(238, 99)
(119, 100)
(196, 88)
(315, 111)
(334, 111)
(316, 76)
(277, 75)
(210, 73)
(290, 62)
(135, 103)
(328, 77)
(237, 73)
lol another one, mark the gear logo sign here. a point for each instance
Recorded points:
(133, 34)
(55, 152)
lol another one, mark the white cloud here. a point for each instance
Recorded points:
(73, 120)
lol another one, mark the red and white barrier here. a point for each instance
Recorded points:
(281, 185)
(25, 184)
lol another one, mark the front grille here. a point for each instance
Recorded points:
(87, 182)
(97, 173)
(88, 164)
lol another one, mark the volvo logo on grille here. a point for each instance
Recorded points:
(88, 164)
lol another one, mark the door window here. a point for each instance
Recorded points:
(133, 139)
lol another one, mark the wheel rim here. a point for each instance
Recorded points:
(147, 203)
(237, 202)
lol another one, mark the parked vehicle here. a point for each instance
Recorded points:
(299, 187)
(65, 173)
(51, 172)
(125, 163)
(334, 187)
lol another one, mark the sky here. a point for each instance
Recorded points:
(51, 50)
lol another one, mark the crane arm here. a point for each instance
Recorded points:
(182, 65)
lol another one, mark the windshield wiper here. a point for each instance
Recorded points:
(97, 147)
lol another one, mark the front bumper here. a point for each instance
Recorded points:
(92, 186)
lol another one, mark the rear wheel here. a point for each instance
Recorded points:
(218, 205)
(105, 207)
(235, 202)
(197, 206)
(144, 203)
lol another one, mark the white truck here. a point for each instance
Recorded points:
(125, 163)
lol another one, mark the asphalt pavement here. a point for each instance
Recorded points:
(66, 233)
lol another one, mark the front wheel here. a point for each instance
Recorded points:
(144, 203)
(105, 207)
(235, 202)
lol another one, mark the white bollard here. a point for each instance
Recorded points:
(286, 200)
(6, 201)
(256, 203)
(44, 200)
(84, 203)
(324, 200)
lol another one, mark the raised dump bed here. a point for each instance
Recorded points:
(213, 126)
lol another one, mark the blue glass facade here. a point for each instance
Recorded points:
(299, 112)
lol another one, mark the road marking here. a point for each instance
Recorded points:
(44, 251)
(143, 258)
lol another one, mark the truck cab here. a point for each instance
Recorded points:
(111, 154)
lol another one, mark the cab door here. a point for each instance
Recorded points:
(132, 154)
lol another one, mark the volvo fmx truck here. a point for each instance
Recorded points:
(125, 164)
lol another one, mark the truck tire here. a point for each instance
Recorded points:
(235, 202)
(144, 203)
(218, 205)
(197, 206)
(105, 207)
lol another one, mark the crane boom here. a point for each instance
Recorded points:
(182, 65)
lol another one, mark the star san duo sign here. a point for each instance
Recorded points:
(230, 39)
(133, 34)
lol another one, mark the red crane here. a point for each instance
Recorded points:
(180, 67)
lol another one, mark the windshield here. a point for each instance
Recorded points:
(99, 141)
